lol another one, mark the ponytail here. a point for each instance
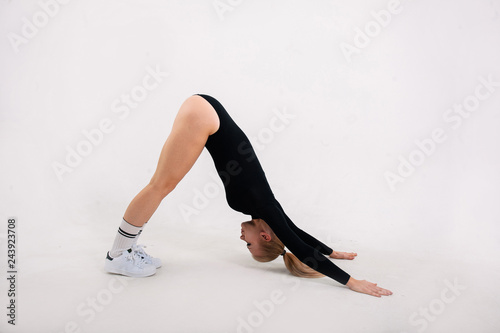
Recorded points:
(297, 268)
(274, 248)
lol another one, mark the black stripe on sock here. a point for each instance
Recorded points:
(126, 234)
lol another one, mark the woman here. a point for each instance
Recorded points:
(203, 122)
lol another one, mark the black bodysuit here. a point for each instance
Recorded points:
(248, 192)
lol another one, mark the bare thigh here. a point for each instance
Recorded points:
(194, 123)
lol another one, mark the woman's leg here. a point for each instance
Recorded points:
(195, 121)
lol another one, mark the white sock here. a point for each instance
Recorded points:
(125, 238)
(139, 233)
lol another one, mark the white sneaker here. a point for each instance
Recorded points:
(129, 264)
(139, 250)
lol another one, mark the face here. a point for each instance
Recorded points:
(252, 234)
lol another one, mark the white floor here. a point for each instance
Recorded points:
(209, 284)
(361, 91)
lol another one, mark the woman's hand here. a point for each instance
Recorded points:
(365, 287)
(343, 255)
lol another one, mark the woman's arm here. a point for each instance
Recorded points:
(279, 223)
(308, 239)
(315, 243)
(312, 257)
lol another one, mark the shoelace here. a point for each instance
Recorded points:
(139, 250)
(137, 258)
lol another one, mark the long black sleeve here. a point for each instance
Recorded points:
(308, 239)
(275, 218)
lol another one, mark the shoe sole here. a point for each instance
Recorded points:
(125, 273)
(130, 275)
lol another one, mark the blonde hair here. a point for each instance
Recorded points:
(274, 248)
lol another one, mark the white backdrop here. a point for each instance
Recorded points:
(376, 123)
